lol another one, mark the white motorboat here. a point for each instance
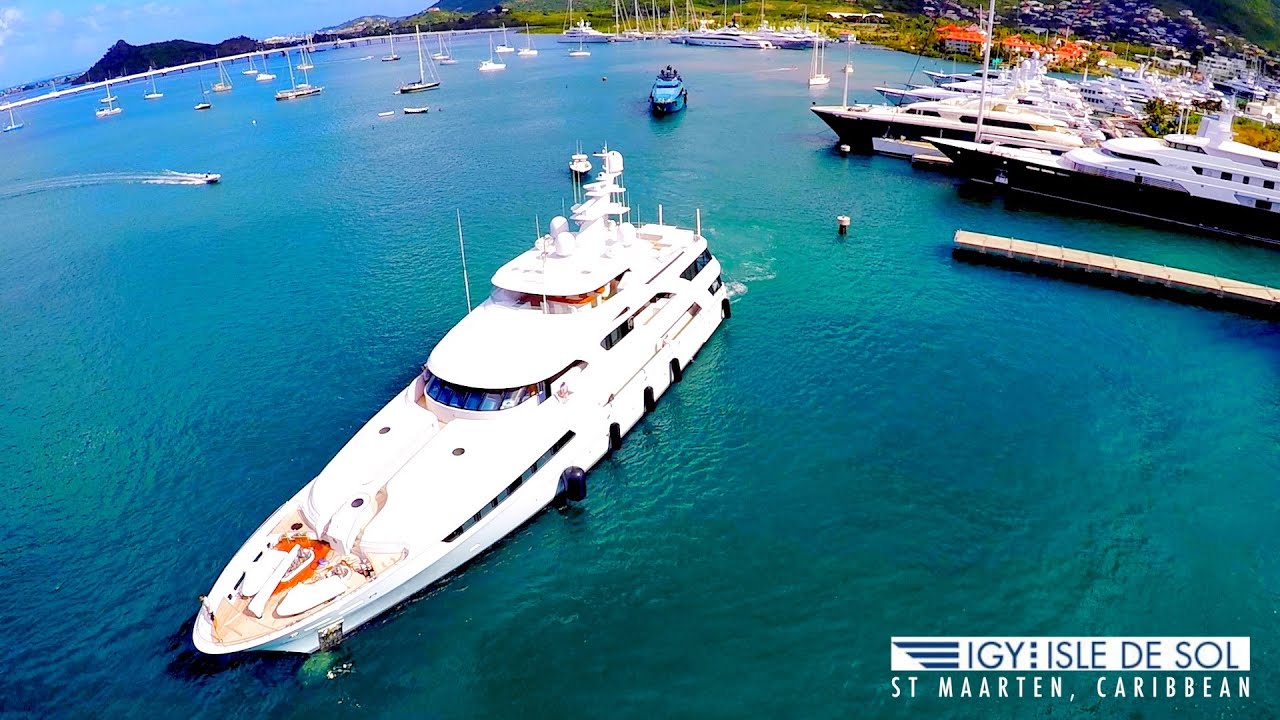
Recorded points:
(1005, 122)
(729, 37)
(211, 178)
(581, 32)
(504, 47)
(578, 339)
(579, 164)
(416, 110)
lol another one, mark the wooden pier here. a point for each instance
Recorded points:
(1111, 271)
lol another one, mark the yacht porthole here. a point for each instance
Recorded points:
(384, 431)
(459, 451)
(357, 502)
(295, 527)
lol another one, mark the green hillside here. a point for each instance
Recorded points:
(1255, 20)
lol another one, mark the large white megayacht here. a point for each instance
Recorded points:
(579, 337)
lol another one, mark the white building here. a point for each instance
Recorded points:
(1216, 67)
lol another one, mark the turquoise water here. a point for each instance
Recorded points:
(881, 441)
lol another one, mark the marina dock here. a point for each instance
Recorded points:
(1112, 271)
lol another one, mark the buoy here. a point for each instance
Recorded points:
(845, 148)
(615, 437)
(842, 224)
(725, 312)
(677, 373)
(604, 79)
(573, 484)
(650, 402)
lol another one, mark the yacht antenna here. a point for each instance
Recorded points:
(466, 284)
(986, 70)
(848, 70)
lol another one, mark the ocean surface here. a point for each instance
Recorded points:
(882, 441)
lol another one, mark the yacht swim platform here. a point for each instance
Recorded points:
(1113, 271)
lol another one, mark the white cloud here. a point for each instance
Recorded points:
(55, 19)
(10, 18)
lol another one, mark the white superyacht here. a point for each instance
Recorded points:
(579, 337)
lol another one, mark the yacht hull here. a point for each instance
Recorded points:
(592, 430)
(1159, 204)
(858, 132)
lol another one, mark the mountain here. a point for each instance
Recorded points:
(123, 58)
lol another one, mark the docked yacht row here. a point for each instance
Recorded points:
(579, 337)
(1206, 182)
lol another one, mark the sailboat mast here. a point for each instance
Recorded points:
(288, 56)
(986, 71)
(422, 74)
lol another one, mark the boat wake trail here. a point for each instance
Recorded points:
(168, 177)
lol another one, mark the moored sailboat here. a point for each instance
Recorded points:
(528, 50)
(490, 65)
(13, 123)
(224, 80)
(504, 47)
(296, 89)
(155, 94)
(109, 99)
(392, 56)
(422, 82)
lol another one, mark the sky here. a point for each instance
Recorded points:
(41, 38)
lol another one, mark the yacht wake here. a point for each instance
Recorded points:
(168, 177)
(735, 289)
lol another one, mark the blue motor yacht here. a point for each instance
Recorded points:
(668, 94)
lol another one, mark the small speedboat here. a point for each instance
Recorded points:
(204, 106)
(388, 113)
(415, 110)
(579, 164)
(211, 178)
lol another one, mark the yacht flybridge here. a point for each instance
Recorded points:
(579, 337)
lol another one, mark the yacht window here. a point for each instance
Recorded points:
(1012, 125)
(613, 338)
(618, 333)
(1226, 176)
(1199, 170)
(468, 398)
(510, 490)
(696, 266)
(1269, 184)
(1135, 158)
(1262, 204)
(1270, 163)
(716, 285)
